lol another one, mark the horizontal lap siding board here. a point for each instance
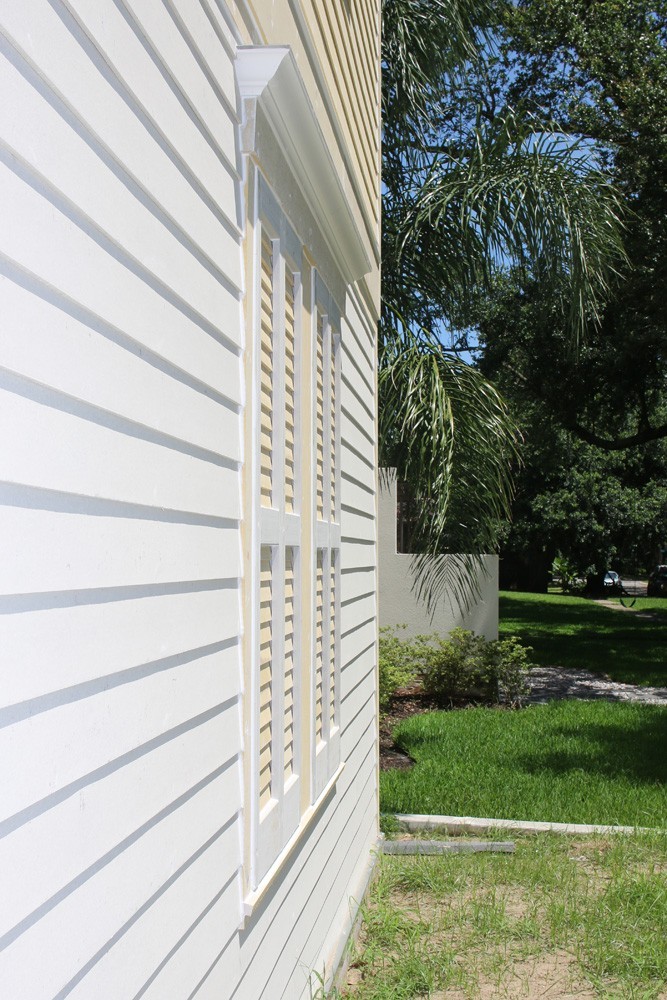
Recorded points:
(120, 395)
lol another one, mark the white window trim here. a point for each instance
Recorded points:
(275, 823)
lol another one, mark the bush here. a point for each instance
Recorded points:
(398, 665)
(463, 667)
(467, 667)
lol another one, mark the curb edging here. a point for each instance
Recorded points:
(472, 824)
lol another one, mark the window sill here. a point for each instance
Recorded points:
(255, 898)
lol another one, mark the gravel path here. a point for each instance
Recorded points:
(547, 683)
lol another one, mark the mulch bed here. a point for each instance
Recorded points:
(406, 702)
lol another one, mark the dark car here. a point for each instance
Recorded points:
(657, 582)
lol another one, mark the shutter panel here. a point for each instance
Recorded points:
(265, 676)
(333, 428)
(266, 391)
(290, 394)
(319, 418)
(332, 637)
(319, 647)
(289, 652)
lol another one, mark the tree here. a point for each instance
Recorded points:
(466, 193)
(600, 71)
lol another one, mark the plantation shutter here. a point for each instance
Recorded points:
(266, 372)
(265, 677)
(276, 753)
(326, 597)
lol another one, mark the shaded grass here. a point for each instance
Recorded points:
(598, 907)
(569, 761)
(577, 632)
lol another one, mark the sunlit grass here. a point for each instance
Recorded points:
(574, 761)
(576, 632)
(588, 913)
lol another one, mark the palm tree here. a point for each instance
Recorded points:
(468, 190)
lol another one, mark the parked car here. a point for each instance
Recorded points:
(657, 582)
(612, 579)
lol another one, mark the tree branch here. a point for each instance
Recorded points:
(620, 443)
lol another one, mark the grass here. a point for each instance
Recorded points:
(569, 761)
(561, 917)
(576, 632)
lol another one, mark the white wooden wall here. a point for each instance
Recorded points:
(120, 558)
(119, 492)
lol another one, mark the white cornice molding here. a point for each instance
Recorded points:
(270, 75)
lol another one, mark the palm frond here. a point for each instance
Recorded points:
(447, 431)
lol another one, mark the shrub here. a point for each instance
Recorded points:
(467, 667)
(398, 665)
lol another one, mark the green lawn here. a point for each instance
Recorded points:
(560, 917)
(576, 632)
(574, 761)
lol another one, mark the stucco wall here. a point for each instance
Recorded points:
(399, 603)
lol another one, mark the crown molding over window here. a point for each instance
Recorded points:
(269, 75)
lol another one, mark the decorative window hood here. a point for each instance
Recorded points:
(269, 75)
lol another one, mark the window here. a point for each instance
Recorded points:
(294, 535)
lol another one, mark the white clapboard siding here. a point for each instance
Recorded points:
(183, 622)
(129, 59)
(359, 437)
(143, 871)
(133, 960)
(51, 345)
(54, 550)
(113, 125)
(356, 467)
(106, 463)
(214, 57)
(215, 116)
(354, 613)
(202, 963)
(31, 226)
(96, 197)
(357, 582)
(108, 725)
(358, 525)
(85, 829)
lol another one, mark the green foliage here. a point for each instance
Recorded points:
(599, 70)
(397, 664)
(461, 668)
(467, 667)
(600, 508)
(465, 193)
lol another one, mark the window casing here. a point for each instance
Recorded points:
(294, 653)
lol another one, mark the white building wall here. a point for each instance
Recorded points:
(121, 359)
(120, 379)
(399, 600)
